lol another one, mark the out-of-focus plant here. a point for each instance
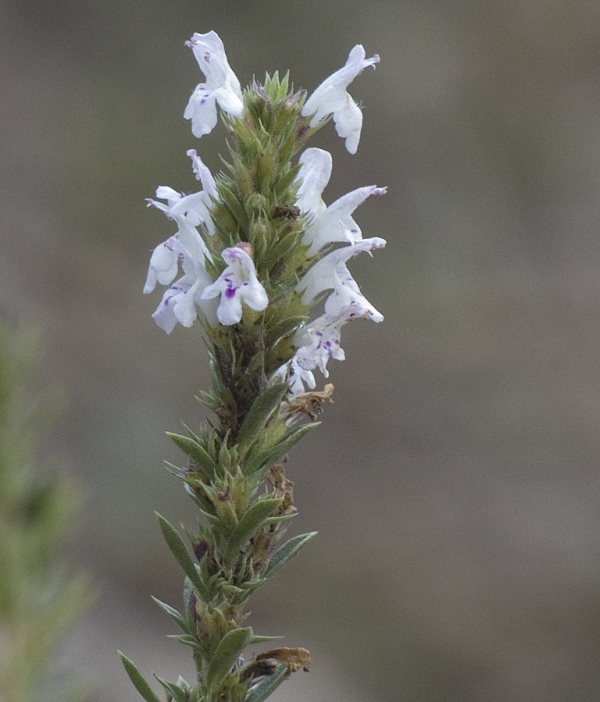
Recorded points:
(39, 597)
(259, 249)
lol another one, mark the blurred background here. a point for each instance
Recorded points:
(455, 481)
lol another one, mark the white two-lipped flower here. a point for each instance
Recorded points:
(236, 284)
(316, 343)
(193, 209)
(327, 224)
(222, 86)
(186, 249)
(332, 98)
(319, 340)
(331, 273)
(181, 299)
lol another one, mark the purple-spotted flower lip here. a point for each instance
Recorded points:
(221, 87)
(237, 283)
(315, 343)
(332, 98)
(319, 342)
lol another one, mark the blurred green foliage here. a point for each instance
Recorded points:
(39, 598)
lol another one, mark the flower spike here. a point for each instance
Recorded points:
(256, 252)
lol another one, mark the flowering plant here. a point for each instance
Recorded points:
(258, 249)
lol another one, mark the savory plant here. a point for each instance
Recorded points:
(255, 252)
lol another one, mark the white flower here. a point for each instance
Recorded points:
(347, 299)
(166, 257)
(331, 98)
(222, 85)
(196, 207)
(299, 378)
(236, 284)
(331, 273)
(316, 344)
(188, 211)
(333, 223)
(193, 208)
(180, 300)
(319, 342)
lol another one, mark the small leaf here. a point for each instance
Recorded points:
(138, 681)
(187, 640)
(262, 408)
(175, 692)
(283, 247)
(286, 552)
(267, 686)
(230, 199)
(173, 614)
(250, 521)
(228, 651)
(285, 327)
(258, 638)
(202, 502)
(195, 451)
(178, 548)
(283, 446)
(280, 518)
(285, 181)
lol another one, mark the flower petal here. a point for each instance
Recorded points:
(313, 176)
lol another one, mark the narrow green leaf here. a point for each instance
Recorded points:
(215, 378)
(280, 518)
(285, 327)
(187, 640)
(228, 651)
(138, 681)
(173, 614)
(285, 181)
(258, 638)
(262, 408)
(283, 446)
(267, 686)
(282, 247)
(286, 552)
(178, 548)
(174, 691)
(195, 451)
(202, 502)
(250, 521)
(230, 199)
